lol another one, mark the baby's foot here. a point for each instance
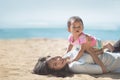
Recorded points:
(110, 47)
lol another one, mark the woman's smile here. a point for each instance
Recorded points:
(57, 63)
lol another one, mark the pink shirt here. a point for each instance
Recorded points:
(81, 40)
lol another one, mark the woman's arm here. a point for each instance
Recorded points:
(91, 51)
(96, 59)
(78, 67)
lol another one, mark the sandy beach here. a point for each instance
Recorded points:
(18, 57)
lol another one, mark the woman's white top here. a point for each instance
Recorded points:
(86, 64)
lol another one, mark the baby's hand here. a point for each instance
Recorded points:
(68, 60)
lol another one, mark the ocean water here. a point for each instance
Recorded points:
(25, 33)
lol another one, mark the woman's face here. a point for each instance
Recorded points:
(56, 63)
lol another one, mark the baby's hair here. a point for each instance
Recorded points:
(74, 19)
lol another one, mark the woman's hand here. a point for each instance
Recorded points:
(104, 70)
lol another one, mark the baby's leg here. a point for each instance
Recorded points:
(96, 51)
(109, 47)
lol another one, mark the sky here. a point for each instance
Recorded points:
(103, 14)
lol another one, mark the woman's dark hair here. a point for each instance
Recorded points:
(117, 46)
(41, 68)
(75, 19)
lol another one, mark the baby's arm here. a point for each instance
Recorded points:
(69, 48)
(81, 52)
(83, 48)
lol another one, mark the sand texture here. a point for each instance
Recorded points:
(18, 57)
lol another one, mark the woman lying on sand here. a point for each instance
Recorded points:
(59, 66)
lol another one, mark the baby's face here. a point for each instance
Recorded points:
(76, 28)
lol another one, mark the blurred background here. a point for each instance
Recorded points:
(48, 18)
